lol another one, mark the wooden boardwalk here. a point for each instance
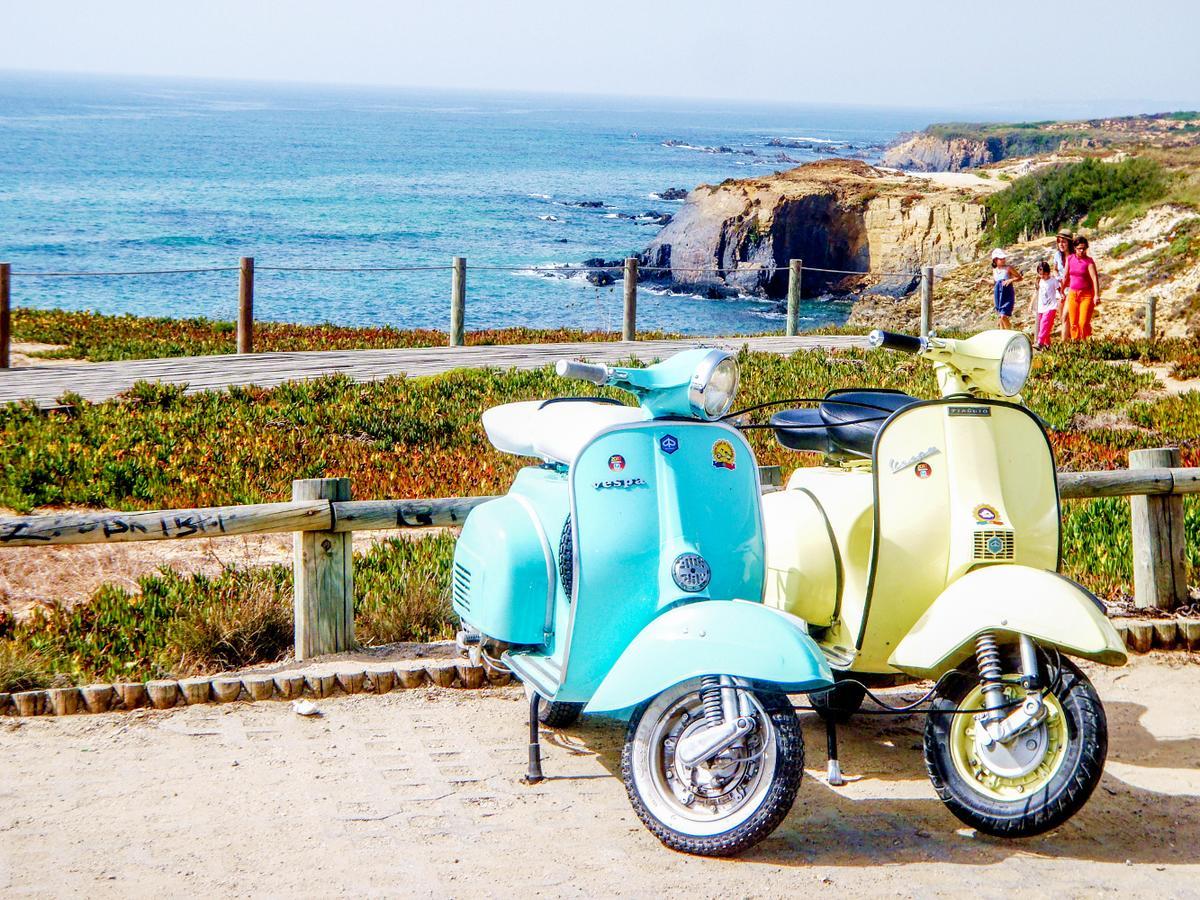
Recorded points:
(102, 381)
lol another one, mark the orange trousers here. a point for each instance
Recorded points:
(1080, 307)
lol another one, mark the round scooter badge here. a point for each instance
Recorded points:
(616, 462)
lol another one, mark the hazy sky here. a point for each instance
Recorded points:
(1041, 57)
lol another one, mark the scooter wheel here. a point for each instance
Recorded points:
(724, 806)
(561, 714)
(1034, 783)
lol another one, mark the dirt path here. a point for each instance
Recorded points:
(417, 794)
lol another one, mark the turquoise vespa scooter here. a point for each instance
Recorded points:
(624, 575)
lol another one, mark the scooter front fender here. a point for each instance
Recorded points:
(714, 637)
(1051, 609)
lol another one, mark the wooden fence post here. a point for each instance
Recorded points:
(629, 321)
(795, 271)
(245, 325)
(1151, 303)
(5, 313)
(458, 302)
(1159, 563)
(324, 577)
(926, 300)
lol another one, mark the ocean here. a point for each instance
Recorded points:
(105, 174)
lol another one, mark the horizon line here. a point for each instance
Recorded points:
(1148, 106)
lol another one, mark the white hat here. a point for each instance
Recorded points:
(999, 253)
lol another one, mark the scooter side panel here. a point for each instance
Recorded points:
(746, 640)
(804, 572)
(641, 496)
(504, 579)
(847, 497)
(1011, 599)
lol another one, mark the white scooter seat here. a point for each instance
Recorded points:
(554, 431)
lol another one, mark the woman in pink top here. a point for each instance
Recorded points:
(1083, 292)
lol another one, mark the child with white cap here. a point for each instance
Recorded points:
(1004, 295)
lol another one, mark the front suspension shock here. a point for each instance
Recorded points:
(987, 657)
(710, 696)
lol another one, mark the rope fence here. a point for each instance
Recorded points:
(567, 267)
(630, 267)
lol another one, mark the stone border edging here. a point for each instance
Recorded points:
(1139, 635)
(380, 678)
(1144, 635)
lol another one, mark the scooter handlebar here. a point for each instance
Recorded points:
(890, 340)
(580, 371)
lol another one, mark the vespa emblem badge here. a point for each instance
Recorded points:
(668, 444)
(616, 462)
(691, 572)
(899, 465)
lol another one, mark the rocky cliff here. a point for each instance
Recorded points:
(952, 147)
(835, 214)
(930, 153)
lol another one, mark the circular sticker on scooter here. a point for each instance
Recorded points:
(723, 455)
(616, 462)
(987, 515)
(923, 470)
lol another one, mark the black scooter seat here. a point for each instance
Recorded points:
(845, 423)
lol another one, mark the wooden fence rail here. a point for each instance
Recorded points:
(321, 516)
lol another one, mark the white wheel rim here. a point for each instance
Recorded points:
(726, 792)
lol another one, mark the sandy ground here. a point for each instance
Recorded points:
(19, 355)
(417, 794)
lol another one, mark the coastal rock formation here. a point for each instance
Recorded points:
(951, 147)
(931, 153)
(833, 214)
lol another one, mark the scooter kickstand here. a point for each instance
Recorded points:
(534, 775)
(833, 772)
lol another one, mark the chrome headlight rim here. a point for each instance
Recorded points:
(1018, 353)
(702, 379)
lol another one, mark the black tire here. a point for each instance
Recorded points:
(562, 714)
(839, 704)
(1052, 804)
(779, 796)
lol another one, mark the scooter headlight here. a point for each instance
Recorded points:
(1015, 364)
(714, 385)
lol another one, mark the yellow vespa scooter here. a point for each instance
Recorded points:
(928, 547)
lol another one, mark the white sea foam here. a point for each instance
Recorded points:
(812, 140)
(549, 218)
(539, 196)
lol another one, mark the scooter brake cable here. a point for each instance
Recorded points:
(889, 710)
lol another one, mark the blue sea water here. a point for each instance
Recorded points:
(124, 174)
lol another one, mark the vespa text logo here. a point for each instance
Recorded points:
(619, 483)
(899, 465)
